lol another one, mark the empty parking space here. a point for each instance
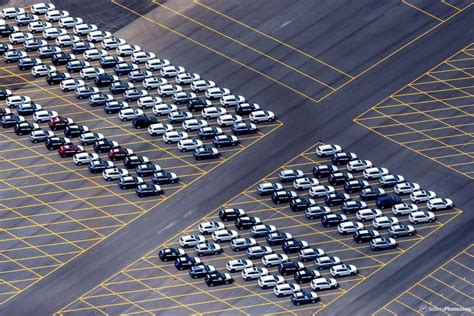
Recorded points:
(447, 290)
(433, 114)
(52, 210)
(151, 286)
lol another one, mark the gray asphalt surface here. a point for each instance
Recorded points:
(305, 124)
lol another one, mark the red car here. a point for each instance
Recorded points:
(59, 122)
(70, 150)
(119, 153)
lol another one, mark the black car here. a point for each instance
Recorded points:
(231, 214)
(119, 87)
(371, 193)
(205, 152)
(218, 278)
(186, 262)
(80, 47)
(164, 177)
(200, 271)
(300, 204)
(246, 222)
(114, 106)
(330, 220)
(209, 132)
(290, 267)
(123, 69)
(283, 196)
(324, 170)
(336, 198)
(27, 109)
(75, 130)
(61, 58)
(125, 183)
(304, 297)
(243, 128)
(104, 80)
(305, 275)
(99, 165)
(3, 48)
(54, 143)
(355, 186)
(339, 178)
(352, 206)
(225, 140)
(144, 121)
(365, 235)
(134, 161)
(56, 77)
(109, 61)
(6, 30)
(278, 238)
(147, 169)
(26, 63)
(11, 120)
(246, 108)
(198, 104)
(5, 93)
(147, 189)
(293, 246)
(167, 254)
(105, 145)
(24, 128)
(76, 66)
(85, 92)
(343, 158)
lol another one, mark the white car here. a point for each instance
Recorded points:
(55, 15)
(112, 42)
(349, 227)
(321, 190)
(270, 281)
(439, 204)
(164, 109)
(84, 158)
(404, 209)
(94, 54)
(228, 119)
(231, 100)
(202, 85)
(153, 82)
(16, 100)
(384, 222)
(224, 235)
(127, 49)
(111, 174)
(305, 183)
(216, 93)
(70, 84)
(11, 13)
(406, 188)
(359, 165)
(193, 125)
(341, 270)
(189, 144)
(210, 227)
(69, 21)
(159, 129)
(375, 173)
(66, 40)
(142, 57)
(191, 240)
(213, 112)
(38, 26)
(422, 196)
(129, 114)
(20, 37)
(421, 217)
(148, 102)
(44, 116)
(42, 8)
(167, 90)
(274, 259)
(368, 214)
(171, 71)
(253, 273)
(320, 284)
(54, 32)
(91, 72)
(261, 116)
(286, 289)
(174, 136)
(84, 29)
(156, 64)
(98, 36)
(238, 265)
(328, 150)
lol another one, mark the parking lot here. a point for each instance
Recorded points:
(151, 286)
(447, 290)
(433, 114)
(53, 210)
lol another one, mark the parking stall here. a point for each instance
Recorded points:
(151, 285)
(53, 209)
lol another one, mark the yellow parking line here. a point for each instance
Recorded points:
(421, 10)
